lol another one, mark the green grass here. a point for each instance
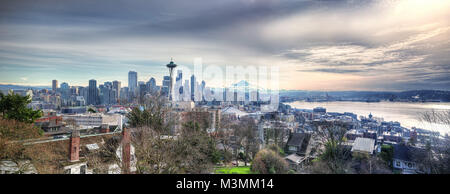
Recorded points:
(233, 170)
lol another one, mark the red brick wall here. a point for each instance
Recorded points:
(74, 149)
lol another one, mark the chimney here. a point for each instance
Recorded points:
(126, 149)
(74, 149)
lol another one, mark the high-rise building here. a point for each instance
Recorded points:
(93, 92)
(107, 93)
(124, 94)
(54, 85)
(165, 86)
(178, 89)
(193, 86)
(74, 90)
(65, 86)
(179, 75)
(151, 84)
(143, 89)
(116, 86)
(203, 88)
(84, 91)
(132, 82)
(65, 90)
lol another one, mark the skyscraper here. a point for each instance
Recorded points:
(165, 86)
(65, 90)
(92, 92)
(203, 88)
(54, 85)
(116, 86)
(143, 89)
(65, 86)
(84, 91)
(132, 82)
(193, 85)
(203, 84)
(151, 84)
(179, 75)
(107, 93)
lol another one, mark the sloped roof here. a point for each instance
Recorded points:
(363, 145)
(232, 110)
(299, 139)
(294, 158)
(406, 153)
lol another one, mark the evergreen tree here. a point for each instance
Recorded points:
(14, 106)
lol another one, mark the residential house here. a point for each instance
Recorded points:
(298, 143)
(403, 159)
(363, 146)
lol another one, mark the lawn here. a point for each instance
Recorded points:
(233, 170)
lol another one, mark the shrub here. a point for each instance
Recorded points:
(268, 162)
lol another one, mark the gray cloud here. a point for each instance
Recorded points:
(363, 38)
(331, 70)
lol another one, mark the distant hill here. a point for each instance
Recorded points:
(412, 95)
(19, 87)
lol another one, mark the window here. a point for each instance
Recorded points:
(67, 171)
(397, 163)
(292, 148)
(410, 165)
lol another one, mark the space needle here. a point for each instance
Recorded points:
(171, 66)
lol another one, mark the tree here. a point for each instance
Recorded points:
(276, 149)
(192, 151)
(268, 162)
(277, 133)
(223, 138)
(333, 154)
(154, 113)
(245, 133)
(155, 153)
(363, 163)
(196, 148)
(159, 151)
(91, 110)
(436, 157)
(14, 106)
(386, 154)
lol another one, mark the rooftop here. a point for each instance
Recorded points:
(363, 145)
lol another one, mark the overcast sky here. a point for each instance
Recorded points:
(317, 45)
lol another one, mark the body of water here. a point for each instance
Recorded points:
(407, 113)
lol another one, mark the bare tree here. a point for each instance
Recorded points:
(155, 152)
(436, 157)
(330, 145)
(155, 113)
(223, 137)
(277, 133)
(160, 149)
(246, 138)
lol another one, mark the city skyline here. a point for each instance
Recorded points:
(366, 45)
